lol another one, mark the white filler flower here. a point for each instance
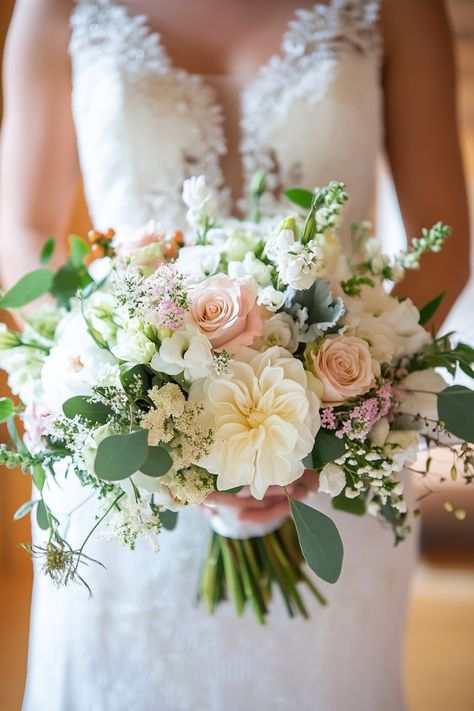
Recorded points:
(265, 419)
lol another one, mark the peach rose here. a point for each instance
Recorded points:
(345, 367)
(225, 310)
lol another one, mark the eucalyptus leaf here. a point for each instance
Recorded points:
(301, 197)
(320, 541)
(456, 409)
(6, 408)
(42, 516)
(327, 448)
(78, 248)
(47, 251)
(120, 456)
(353, 506)
(157, 463)
(169, 519)
(429, 309)
(95, 412)
(136, 381)
(38, 475)
(24, 509)
(30, 287)
(65, 284)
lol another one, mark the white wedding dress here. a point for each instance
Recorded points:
(312, 114)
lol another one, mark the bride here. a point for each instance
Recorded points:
(139, 95)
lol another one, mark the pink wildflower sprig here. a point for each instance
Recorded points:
(356, 422)
(168, 296)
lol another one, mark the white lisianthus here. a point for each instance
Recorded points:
(198, 198)
(420, 390)
(72, 365)
(132, 344)
(198, 262)
(271, 298)
(281, 330)
(187, 351)
(264, 418)
(332, 479)
(251, 267)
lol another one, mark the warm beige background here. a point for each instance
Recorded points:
(440, 660)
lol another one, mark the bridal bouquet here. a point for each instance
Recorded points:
(232, 359)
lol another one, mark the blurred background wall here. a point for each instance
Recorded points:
(440, 660)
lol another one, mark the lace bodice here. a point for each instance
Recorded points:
(312, 113)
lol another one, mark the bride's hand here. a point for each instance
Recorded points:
(273, 506)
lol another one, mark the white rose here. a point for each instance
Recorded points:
(132, 344)
(271, 298)
(239, 244)
(281, 330)
(420, 390)
(332, 479)
(251, 267)
(188, 352)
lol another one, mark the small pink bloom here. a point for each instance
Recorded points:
(345, 367)
(225, 310)
(35, 420)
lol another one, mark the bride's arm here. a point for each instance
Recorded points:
(422, 141)
(38, 164)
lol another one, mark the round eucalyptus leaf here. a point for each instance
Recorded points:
(319, 539)
(456, 409)
(120, 456)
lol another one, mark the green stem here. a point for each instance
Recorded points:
(232, 577)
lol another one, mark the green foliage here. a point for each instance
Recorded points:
(47, 251)
(42, 517)
(120, 456)
(94, 412)
(302, 198)
(157, 463)
(327, 448)
(28, 289)
(429, 309)
(169, 519)
(6, 408)
(78, 250)
(38, 475)
(320, 541)
(136, 381)
(441, 354)
(456, 410)
(354, 506)
(24, 509)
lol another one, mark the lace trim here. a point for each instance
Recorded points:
(316, 39)
(103, 28)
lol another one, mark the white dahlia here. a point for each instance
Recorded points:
(265, 418)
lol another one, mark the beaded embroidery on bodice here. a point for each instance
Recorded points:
(312, 114)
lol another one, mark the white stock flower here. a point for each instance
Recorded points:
(264, 418)
(187, 351)
(404, 320)
(300, 265)
(198, 198)
(271, 298)
(332, 479)
(281, 330)
(132, 344)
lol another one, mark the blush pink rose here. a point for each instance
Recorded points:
(345, 367)
(225, 310)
